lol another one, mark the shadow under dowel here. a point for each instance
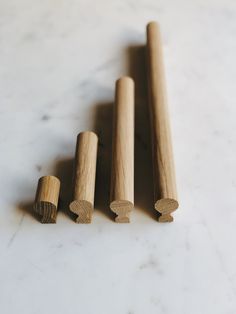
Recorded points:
(143, 176)
(103, 113)
(27, 208)
(64, 172)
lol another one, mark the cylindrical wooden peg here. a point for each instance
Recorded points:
(84, 176)
(122, 176)
(163, 164)
(46, 199)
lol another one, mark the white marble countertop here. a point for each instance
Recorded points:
(59, 61)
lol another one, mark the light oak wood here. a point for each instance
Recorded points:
(163, 164)
(122, 176)
(84, 176)
(46, 199)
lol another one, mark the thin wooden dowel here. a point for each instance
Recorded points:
(163, 164)
(46, 199)
(84, 176)
(122, 176)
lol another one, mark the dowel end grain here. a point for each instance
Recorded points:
(83, 209)
(125, 80)
(165, 207)
(46, 199)
(165, 218)
(122, 209)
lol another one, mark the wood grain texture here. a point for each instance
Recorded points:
(122, 175)
(46, 199)
(84, 176)
(163, 165)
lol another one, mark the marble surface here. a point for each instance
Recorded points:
(59, 61)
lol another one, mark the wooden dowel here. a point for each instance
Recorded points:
(122, 176)
(84, 176)
(163, 164)
(46, 199)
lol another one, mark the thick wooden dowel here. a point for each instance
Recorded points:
(46, 199)
(122, 177)
(163, 164)
(84, 176)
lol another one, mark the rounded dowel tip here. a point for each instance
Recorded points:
(89, 133)
(125, 80)
(153, 24)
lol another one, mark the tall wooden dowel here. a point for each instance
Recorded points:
(46, 199)
(84, 176)
(122, 176)
(163, 164)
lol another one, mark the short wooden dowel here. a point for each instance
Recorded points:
(122, 176)
(163, 164)
(84, 176)
(46, 199)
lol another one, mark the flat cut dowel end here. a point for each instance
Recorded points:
(122, 219)
(122, 209)
(83, 209)
(165, 218)
(165, 207)
(47, 211)
(83, 220)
